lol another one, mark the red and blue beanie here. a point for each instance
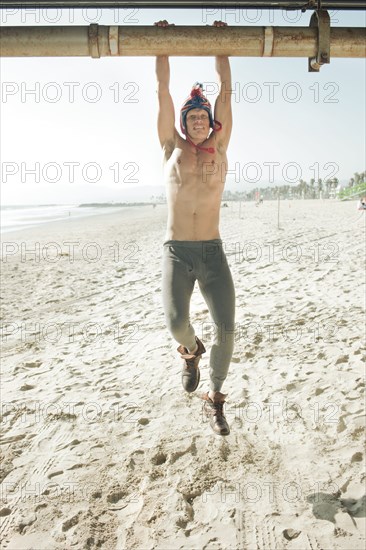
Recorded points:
(196, 100)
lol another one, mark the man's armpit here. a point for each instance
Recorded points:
(169, 147)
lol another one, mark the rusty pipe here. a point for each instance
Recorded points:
(161, 4)
(102, 40)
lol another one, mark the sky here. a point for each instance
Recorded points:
(84, 130)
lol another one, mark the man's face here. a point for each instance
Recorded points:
(198, 123)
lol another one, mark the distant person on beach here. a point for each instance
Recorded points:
(361, 205)
(195, 169)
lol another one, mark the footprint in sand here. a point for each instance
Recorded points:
(25, 520)
(357, 457)
(54, 474)
(32, 364)
(97, 452)
(290, 534)
(117, 500)
(341, 424)
(71, 522)
(159, 458)
(27, 387)
(76, 466)
(70, 445)
(342, 359)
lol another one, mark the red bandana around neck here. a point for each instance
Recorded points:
(207, 149)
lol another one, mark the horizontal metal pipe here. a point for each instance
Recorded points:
(186, 41)
(250, 4)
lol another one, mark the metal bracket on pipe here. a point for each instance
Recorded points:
(93, 41)
(320, 19)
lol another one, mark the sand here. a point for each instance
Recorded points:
(102, 448)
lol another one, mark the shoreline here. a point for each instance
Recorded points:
(52, 225)
(130, 211)
(83, 213)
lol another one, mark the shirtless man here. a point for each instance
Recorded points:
(195, 170)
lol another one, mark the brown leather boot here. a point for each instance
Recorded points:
(191, 372)
(214, 410)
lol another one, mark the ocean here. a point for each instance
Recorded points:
(17, 217)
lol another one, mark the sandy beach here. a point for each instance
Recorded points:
(102, 448)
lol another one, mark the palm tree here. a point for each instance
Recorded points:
(303, 188)
(320, 187)
(330, 187)
(312, 182)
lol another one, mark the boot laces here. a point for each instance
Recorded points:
(218, 409)
(190, 362)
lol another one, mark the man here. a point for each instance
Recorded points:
(361, 205)
(195, 170)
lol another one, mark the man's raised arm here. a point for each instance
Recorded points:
(223, 111)
(166, 116)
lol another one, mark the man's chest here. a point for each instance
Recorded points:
(205, 166)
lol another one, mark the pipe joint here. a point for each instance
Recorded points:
(268, 41)
(93, 41)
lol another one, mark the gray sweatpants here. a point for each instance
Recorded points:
(184, 262)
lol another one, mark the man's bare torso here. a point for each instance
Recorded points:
(194, 184)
